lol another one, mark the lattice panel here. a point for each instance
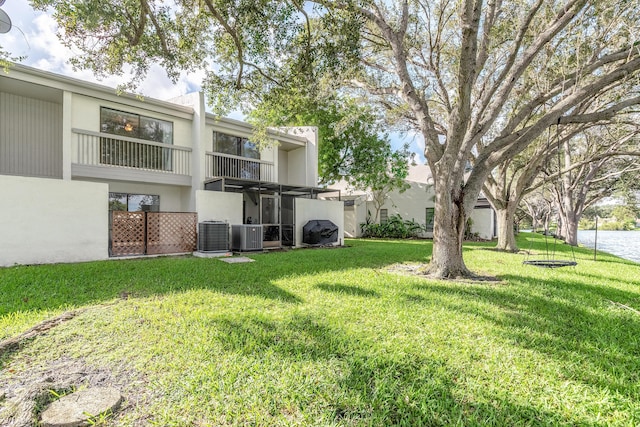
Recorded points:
(171, 232)
(127, 233)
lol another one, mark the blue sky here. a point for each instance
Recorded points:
(34, 36)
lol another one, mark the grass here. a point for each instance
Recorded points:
(333, 338)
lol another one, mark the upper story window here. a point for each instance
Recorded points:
(234, 145)
(135, 126)
(117, 152)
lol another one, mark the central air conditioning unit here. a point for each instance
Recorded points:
(246, 237)
(213, 236)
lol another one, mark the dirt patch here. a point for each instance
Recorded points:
(24, 395)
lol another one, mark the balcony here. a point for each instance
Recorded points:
(101, 155)
(230, 166)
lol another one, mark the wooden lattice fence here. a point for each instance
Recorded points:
(140, 233)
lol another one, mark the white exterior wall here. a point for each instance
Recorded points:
(219, 206)
(297, 162)
(411, 204)
(310, 209)
(353, 217)
(483, 223)
(50, 220)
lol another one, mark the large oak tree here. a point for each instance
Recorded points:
(479, 80)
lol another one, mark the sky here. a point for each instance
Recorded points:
(33, 36)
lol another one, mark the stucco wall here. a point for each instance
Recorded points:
(483, 223)
(411, 204)
(353, 217)
(49, 221)
(297, 162)
(219, 206)
(309, 209)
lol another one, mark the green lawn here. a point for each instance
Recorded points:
(333, 338)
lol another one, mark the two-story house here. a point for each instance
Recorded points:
(87, 173)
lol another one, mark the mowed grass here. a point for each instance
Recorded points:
(334, 338)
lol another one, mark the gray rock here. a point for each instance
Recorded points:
(75, 409)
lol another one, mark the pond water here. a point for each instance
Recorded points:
(625, 244)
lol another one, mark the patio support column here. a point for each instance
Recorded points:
(199, 140)
(67, 143)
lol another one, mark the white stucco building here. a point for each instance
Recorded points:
(416, 203)
(80, 166)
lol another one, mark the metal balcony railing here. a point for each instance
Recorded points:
(230, 166)
(102, 149)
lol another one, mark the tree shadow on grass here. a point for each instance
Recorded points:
(347, 290)
(371, 387)
(566, 320)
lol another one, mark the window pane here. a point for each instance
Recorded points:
(119, 123)
(143, 202)
(117, 202)
(249, 149)
(429, 219)
(226, 144)
(384, 215)
(156, 130)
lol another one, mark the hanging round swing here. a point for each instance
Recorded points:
(549, 259)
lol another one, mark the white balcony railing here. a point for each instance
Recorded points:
(229, 166)
(102, 149)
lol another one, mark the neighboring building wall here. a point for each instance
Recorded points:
(30, 136)
(219, 206)
(483, 223)
(410, 204)
(49, 220)
(310, 209)
(353, 217)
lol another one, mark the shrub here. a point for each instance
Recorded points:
(395, 227)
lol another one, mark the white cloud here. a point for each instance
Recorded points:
(35, 36)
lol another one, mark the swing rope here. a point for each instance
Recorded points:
(550, 261)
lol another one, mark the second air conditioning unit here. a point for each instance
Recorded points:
(246, 237)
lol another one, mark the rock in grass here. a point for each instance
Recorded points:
(76, 409)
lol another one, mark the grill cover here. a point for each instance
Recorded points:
(319, 232)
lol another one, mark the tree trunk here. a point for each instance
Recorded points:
(448, 232)
(506, 235)
(570, 229)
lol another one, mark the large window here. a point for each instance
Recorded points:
(429, 220)
(114, 151)
(234, 145)
(134, 202)
(233, 167)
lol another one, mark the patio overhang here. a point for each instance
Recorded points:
(238, 185)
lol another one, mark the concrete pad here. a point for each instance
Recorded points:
(212, 254)
(75, 409)
(236, 260)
